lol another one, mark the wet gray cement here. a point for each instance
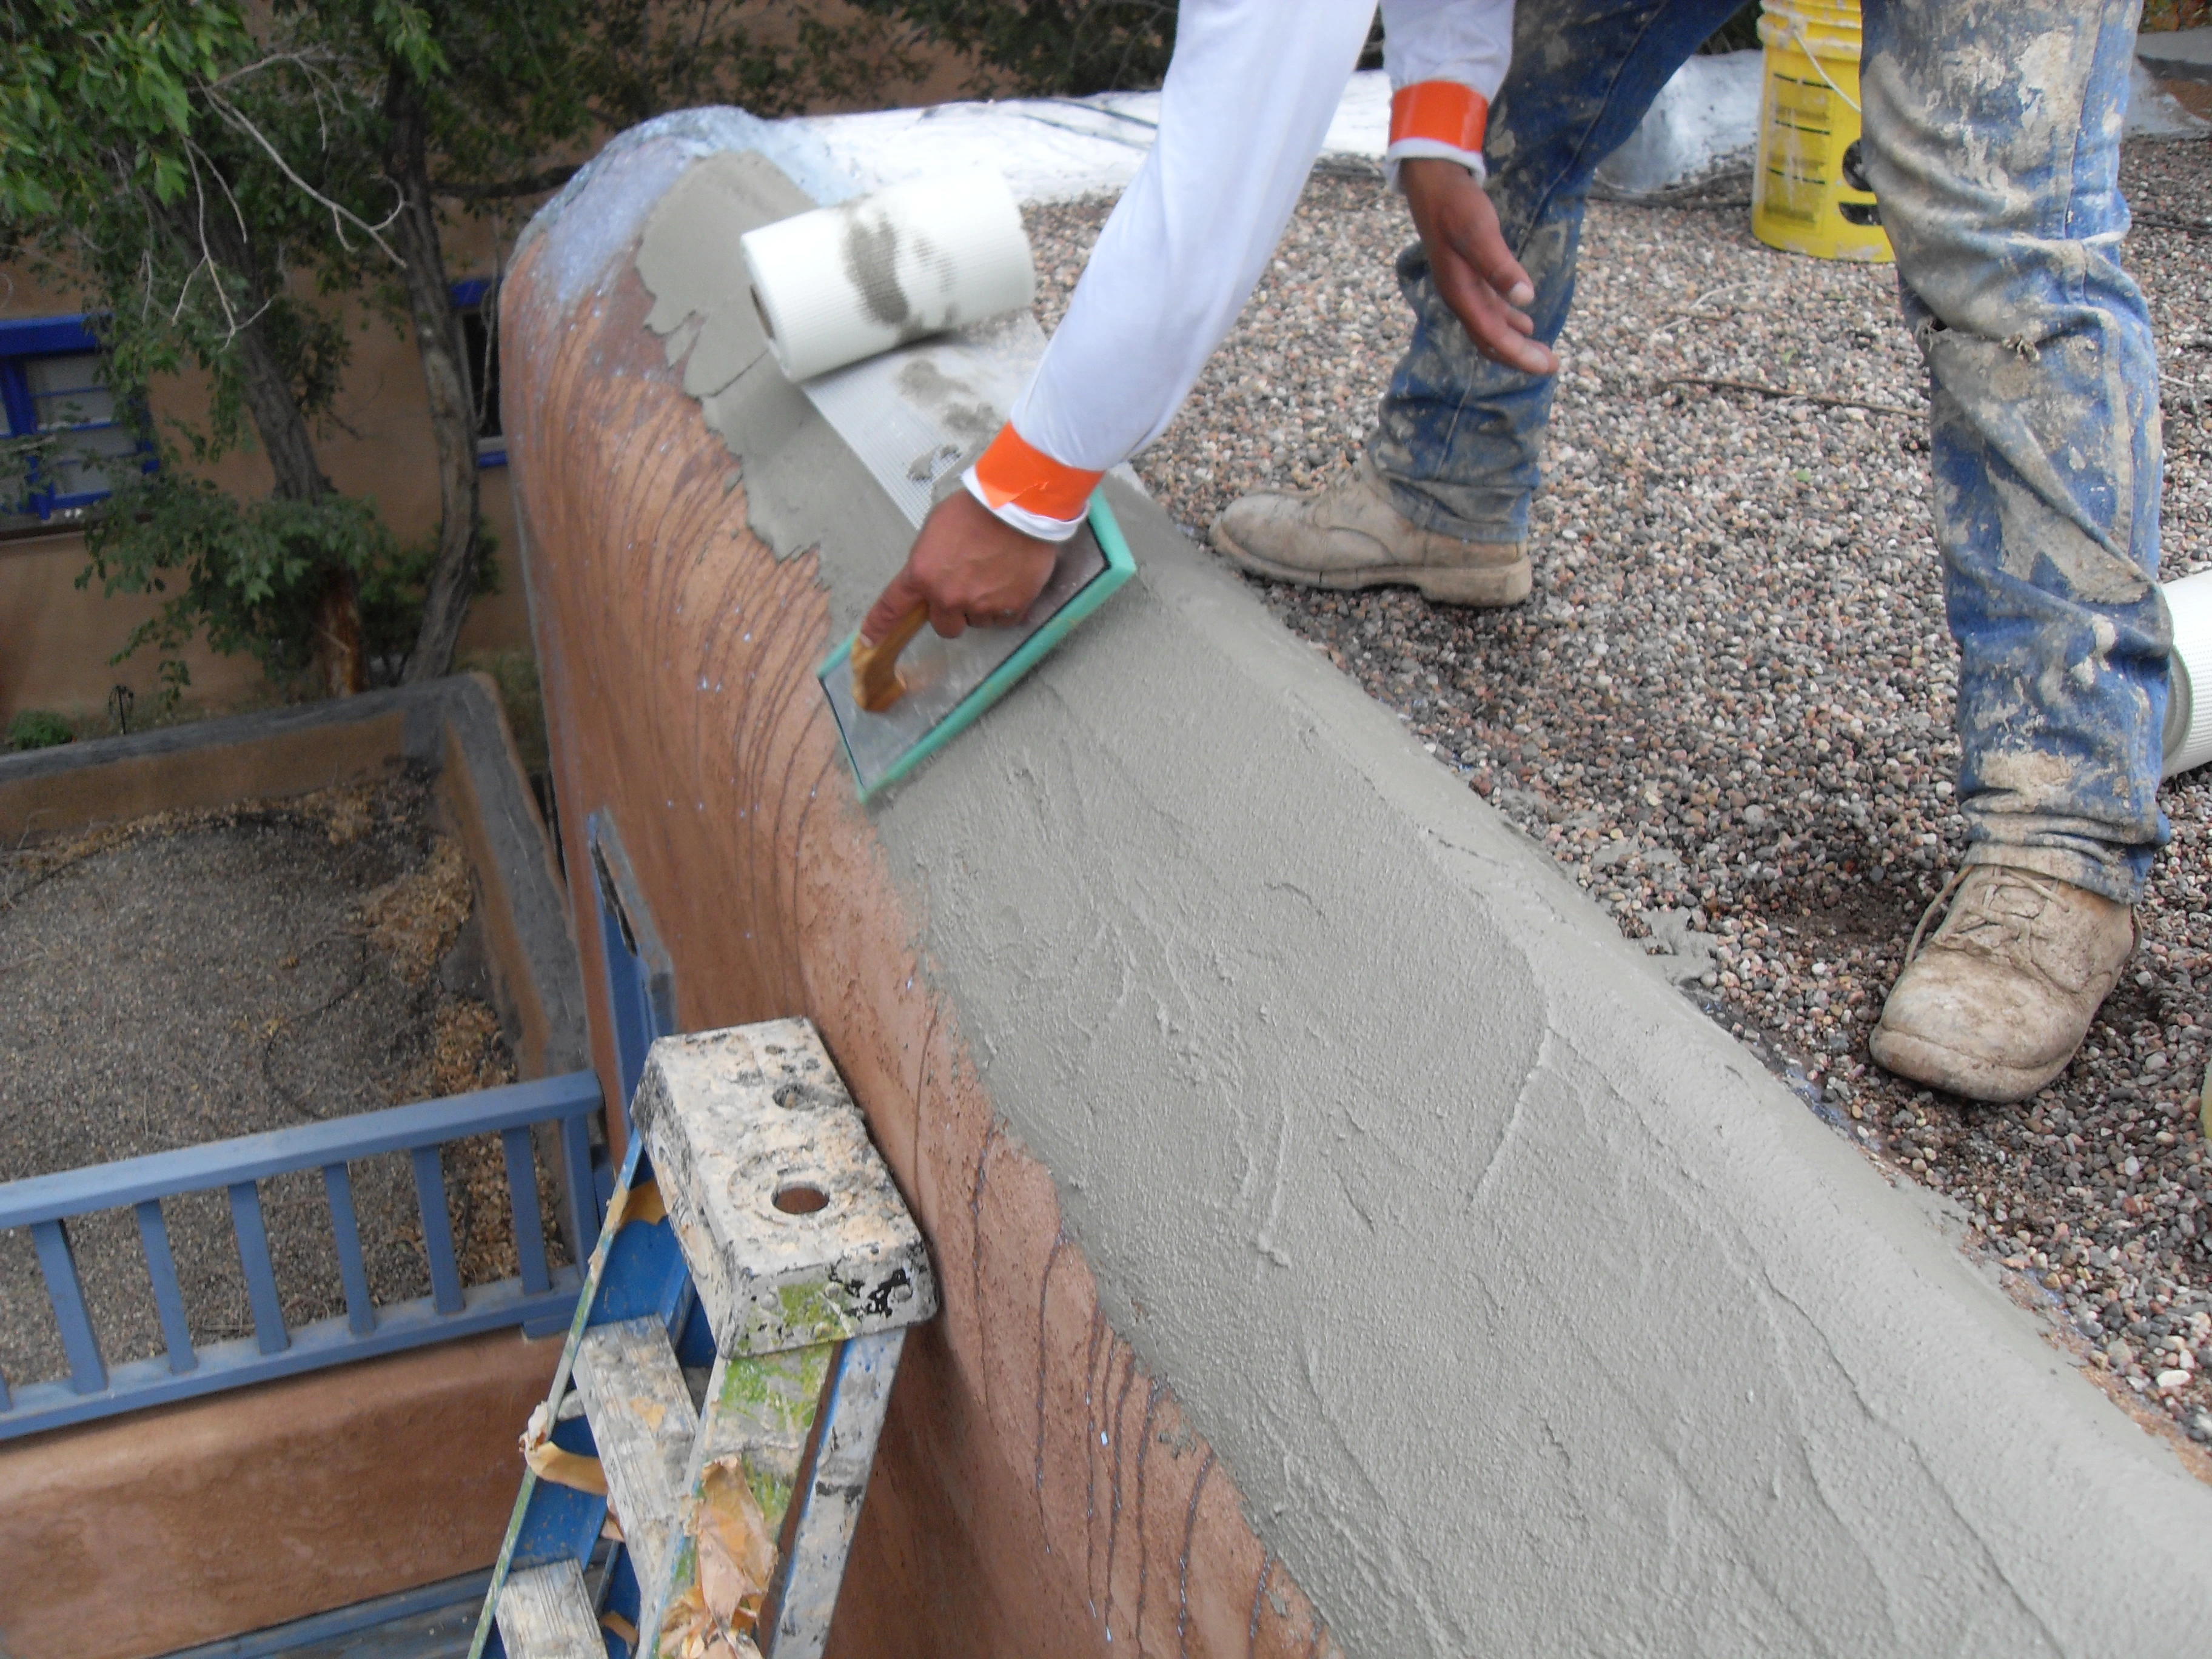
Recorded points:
(1530, 1312)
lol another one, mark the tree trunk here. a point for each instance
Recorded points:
(341, 662)
(284, 429)
(341, 654)
(453, 411)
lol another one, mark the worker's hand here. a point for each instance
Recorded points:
(1474, 272)
(970, 567)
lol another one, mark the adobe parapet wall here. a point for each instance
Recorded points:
(1527, 1312)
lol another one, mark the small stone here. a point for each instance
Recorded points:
(2120, 1354)
(2172, 1380)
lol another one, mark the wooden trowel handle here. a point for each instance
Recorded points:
(876, 681)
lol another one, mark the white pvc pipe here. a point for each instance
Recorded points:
(2188, 712)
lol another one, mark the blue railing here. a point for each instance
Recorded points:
(541, 1299)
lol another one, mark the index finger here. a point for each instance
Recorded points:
(901, 597)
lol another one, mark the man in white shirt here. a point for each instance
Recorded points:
(1991, 138)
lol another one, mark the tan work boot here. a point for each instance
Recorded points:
(1349, 535)
(1998, 1002)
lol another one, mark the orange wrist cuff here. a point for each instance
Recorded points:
(1443, 111)
(1012, 471)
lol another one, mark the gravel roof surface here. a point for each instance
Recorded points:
(1726, 710)
(188, 978)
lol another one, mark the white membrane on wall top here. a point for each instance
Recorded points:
(845, 283)
(918, 415)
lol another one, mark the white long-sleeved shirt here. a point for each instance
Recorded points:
(1249, 97)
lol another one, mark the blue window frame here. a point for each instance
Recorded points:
(475, 309)
(52, 385)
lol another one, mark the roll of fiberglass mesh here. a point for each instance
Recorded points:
(2189, 696)
(845, 283)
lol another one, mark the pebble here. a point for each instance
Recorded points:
(1729, 701)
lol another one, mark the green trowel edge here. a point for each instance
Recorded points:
(1119, 566)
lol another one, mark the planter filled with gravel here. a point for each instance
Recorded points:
(369, 920)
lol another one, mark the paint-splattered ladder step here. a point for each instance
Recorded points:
(545, 1612)
(644, 1424)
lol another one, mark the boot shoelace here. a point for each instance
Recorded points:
(1983, 912)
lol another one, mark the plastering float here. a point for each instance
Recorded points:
(903, 316)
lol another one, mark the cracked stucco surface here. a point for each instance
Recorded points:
(1531, 1315)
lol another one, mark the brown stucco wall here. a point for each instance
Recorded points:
(498, 826)
(56, 639)
(263, 766)
(169, 1528)
(1038, 1492)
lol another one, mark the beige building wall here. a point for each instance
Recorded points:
(56, 639)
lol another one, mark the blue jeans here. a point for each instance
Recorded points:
(2045, 446)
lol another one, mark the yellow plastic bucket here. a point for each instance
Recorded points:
(1809, 193)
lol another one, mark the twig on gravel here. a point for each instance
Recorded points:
(1698, 193)
(1696, 307)
(1349, 166)
(2179, 222)
(1783, 394)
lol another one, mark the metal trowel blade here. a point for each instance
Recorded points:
(949, 682)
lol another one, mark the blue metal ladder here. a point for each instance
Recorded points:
(715, 1411)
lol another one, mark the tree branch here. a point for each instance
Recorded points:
(341, 215)
(533, 184)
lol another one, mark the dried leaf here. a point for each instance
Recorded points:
(736, 1553)
(551, 1462)
(645, 1205)
(712, 1617)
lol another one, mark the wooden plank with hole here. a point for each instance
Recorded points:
(789, 1220)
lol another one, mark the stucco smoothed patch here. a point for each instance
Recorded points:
(1529, 1314)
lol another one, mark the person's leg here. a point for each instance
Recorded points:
(1461, 438)
(1440, 499)
(1995, 158)
(1992, 144)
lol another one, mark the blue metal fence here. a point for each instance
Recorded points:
(641, 981)
(540, 1299)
